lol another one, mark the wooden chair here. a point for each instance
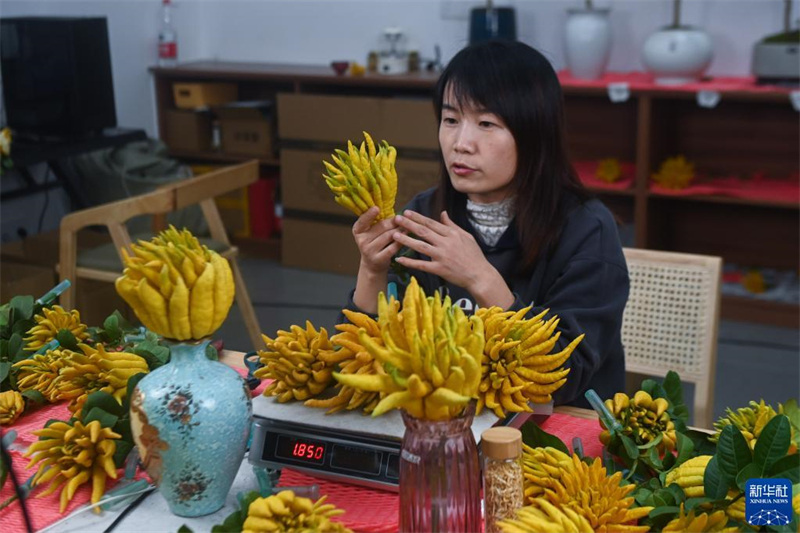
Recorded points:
(105, 263)
(671, 320)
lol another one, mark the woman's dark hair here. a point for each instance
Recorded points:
(517, 83)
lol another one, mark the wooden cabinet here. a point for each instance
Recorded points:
(750, 138)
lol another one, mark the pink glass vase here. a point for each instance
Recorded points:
(440, 483)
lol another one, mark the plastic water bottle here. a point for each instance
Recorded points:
(167, 38)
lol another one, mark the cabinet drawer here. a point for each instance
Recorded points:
(403, 122)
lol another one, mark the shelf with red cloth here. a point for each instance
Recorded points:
(783, 193)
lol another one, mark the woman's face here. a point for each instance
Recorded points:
(479, 151)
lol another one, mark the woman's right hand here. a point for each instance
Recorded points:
(375, 242)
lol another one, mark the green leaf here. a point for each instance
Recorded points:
(664, 509)
(773, 443)
(185, 529)
(106, 419)
(104, 401)
(132, 382)
(749, 472)
(630, 447)
(235, 520)
(4, 354)
(536, 437)
(123, 449)
(659, 501)
(21, 327)
(211, 353)
(655, 460)
(652, 443)
(701, 442)
(67, 340)
(714, 484)
(112, 322)
(669, 461)
(15, 344)
(34, 397)
(641, 496)
(733, 453)
(5, 368)
(674, 391)
(685, 447)
(677, 493)
(787, 467)
(792, 411)
(692, 503)
(21, 308)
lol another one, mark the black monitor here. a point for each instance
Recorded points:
(57, 76)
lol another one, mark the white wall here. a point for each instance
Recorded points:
(318, 31)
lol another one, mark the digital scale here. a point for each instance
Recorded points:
(346, 446)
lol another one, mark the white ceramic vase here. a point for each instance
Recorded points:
(588, 42)
(677, 55)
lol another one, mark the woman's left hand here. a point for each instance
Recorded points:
(455, 256)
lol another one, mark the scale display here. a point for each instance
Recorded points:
(358, 459)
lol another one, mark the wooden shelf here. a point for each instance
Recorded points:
(731, 200)
(221, 157)
(744, 309)
(752, 132)
(600, 191)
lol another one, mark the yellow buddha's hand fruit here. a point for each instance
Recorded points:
(430, 355)
(286, 512)
(517, 366)
(50, 322)
(643, 419)
(364, 177)
(11, 406)
(70, 454)
(177, 287)
(689, 476)
(295, 361)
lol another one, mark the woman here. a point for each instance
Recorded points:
(509, 224)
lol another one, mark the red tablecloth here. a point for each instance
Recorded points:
(644, 81)
(365, 509)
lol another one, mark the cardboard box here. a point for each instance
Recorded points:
(97, 299)
(17, 279)
(403, 122)
(304, 189)
(247, 128)
(319, 246)
(193, 95)
(187, 130)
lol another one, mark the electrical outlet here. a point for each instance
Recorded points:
(455, 9)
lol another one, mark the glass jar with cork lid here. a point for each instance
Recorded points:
(502, 475)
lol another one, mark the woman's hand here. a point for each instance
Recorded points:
(377, 248)
(455, 257)
(375, 241)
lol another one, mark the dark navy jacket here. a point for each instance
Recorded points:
(583, 280)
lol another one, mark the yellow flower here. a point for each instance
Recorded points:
(675, 173)
(286, 512)
(703, 522)
(50, 323)
(11, 406)
(40, 372)
(94, 370)
(5, 142)
(75, 454)
(609, 170)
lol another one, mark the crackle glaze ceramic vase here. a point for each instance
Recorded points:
(191, 420)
